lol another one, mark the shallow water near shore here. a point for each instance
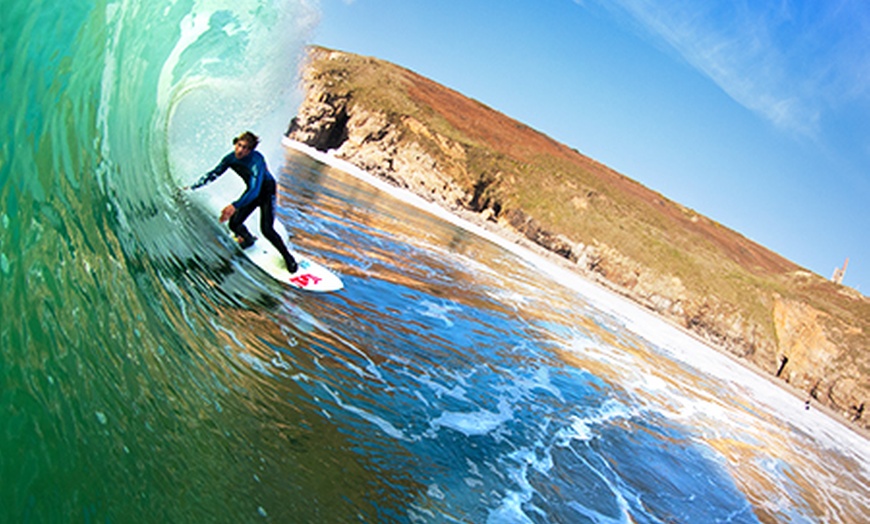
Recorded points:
(595, 379)
(150, 372)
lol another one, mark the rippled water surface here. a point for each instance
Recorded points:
(149, 372)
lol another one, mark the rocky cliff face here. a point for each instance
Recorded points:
(367, 139)
(822, 349)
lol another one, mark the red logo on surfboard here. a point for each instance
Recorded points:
(305, 279)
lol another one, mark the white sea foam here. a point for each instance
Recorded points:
(674, 342)
(378, 421)
(472, 423)
(440, 312)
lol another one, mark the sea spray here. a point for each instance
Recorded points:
(100, 317)
(230, 71)
(149, 372)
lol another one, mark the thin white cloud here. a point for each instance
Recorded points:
(789, 62)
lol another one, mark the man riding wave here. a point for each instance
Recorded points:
(260, 192)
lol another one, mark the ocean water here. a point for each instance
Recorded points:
(150, 373)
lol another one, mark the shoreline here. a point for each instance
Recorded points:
(535, 254)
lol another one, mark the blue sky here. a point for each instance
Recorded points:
(755, 114)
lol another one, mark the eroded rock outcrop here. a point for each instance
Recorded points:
(777, 330)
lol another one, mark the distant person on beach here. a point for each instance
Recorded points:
(250, 165)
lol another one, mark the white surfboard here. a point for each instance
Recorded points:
(309, 276)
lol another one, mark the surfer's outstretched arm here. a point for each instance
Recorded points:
(213, 175)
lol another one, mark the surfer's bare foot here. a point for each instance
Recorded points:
(245, 243)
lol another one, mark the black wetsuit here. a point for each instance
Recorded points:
(260, 192)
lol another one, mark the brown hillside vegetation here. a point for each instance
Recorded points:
(732, 292)
(498, 132)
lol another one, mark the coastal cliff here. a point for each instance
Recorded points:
(788, 323)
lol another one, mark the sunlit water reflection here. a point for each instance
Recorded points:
(500, 394)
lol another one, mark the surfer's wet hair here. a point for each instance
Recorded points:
(248, 137)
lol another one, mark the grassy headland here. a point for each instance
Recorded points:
(737, 295)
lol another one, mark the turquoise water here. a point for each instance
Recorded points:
(148, 372)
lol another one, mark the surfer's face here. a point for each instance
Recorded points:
(242, 148)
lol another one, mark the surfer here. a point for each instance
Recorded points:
(250, 165)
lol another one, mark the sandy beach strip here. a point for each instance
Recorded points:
(681, 343)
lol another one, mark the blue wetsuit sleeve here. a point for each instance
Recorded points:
(213, 175)
(258, 172)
